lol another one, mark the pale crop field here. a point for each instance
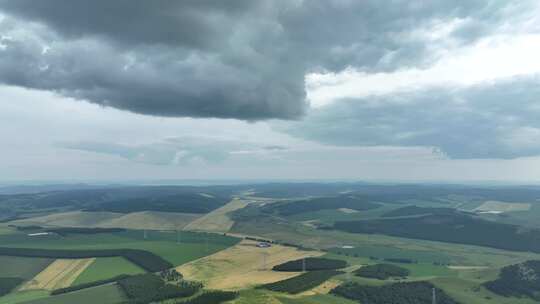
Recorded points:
(217, 220)
(244, 265)
(503, 207)
(59, 274)
(137, 220)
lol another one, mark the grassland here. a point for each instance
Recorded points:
(217, 220)
(61, 273)
(243, 266)
(105, 268)
(25, 268)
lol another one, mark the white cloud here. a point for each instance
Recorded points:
(494, 58)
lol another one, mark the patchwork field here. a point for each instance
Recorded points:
(61, 273)
(177, 249)
(217, 220)
(137, 220)
(243, 265)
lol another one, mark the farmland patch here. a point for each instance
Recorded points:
(61, 273)
(243, 265)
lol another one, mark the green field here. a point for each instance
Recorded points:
(106, 294)
(24, 268)
(466, 291)
(191, 247)
(386, 252)
(105, 268)
(317, 299)
(4, 229)
(20, 297)
(333, 215)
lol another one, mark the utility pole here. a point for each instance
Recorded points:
(304, 265)
(434, 296)
(145, 234)
(264, 261)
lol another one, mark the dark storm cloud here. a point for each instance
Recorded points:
(488, 121)
(227, 59)
(193, 23)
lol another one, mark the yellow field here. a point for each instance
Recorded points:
(243, 266)
(324, 288)
(217, 220)
(61, 273)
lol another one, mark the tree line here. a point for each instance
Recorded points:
(398, 293)
(147, 288)
(518, 280)
(311, 264)
(303, 282)
(381, 271)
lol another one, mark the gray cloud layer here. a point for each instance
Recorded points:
(172, 151)
(488, 121)
(227, 59)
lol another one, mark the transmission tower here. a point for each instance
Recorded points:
(264, 257)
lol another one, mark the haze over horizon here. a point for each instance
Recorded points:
(265, 90)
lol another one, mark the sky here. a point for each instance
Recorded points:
(400, 90)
